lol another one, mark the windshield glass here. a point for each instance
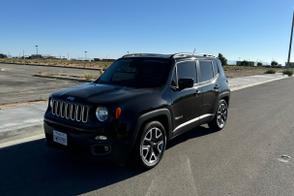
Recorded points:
(138, 73)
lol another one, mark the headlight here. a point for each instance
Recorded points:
(102, 114)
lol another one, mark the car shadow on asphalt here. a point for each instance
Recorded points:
(33, 168)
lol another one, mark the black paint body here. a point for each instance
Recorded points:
(177, 109)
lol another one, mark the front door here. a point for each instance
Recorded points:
(185, 102)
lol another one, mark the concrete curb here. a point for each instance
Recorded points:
(22, 140)
(61, 78)
(257, 84)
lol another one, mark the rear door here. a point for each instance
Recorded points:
(208, 85)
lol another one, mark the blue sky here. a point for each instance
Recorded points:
(251, 29)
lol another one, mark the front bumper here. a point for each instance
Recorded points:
(115, 147)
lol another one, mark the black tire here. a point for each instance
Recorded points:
(157, 145)
(221, 116)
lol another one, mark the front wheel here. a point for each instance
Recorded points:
(151, 145)
(221, 116)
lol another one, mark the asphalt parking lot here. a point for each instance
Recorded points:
(252, 156)
(17, 83)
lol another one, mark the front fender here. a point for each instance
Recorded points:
(162, 112)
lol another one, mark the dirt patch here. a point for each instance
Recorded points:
(99, 65)
(239, 71)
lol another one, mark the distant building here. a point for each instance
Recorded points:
(291, 64)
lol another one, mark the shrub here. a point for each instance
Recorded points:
(288, 72)
(270, 71)
(245, 63)
(274, 63)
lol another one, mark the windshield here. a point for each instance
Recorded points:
(138, 73)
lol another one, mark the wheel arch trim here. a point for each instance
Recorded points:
(223, 95)
(151, 115)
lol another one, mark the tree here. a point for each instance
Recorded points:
(2, 56)
(222, 59)
(274, 63)
(259, 64)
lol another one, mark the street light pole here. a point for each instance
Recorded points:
(290, 44)
(36, 49)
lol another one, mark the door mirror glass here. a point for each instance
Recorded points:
(185, 83)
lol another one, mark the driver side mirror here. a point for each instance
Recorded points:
(185, 83)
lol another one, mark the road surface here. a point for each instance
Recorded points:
(252, 156)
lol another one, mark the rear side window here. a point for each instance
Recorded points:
(187, 70)
(216, 67)
(206, 70)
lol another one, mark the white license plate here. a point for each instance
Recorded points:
(60, 138)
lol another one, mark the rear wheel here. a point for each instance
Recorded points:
(221, 116)
(151, 145)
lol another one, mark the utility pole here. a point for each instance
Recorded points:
(37, 49)
(290, 44)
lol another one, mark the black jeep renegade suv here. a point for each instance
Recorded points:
(138, 104)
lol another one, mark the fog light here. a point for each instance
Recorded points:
(101, 137)
(106, 148)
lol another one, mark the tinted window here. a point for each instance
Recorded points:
(215, 67)
(206, 70)
(139, 73)
(187, 70)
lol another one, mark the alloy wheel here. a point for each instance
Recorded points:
(222, 115)
(152, 146)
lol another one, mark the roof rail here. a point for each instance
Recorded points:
(145, 54)
(173, 56)
(133, 55)
(182, 55)
(205, 55)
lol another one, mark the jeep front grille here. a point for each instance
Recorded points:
(70, 111)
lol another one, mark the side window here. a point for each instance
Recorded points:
(187, 70)
(216, 67)
(206, 70)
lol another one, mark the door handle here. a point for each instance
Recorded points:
(197, 92)
(216, 87)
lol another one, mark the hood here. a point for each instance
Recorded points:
(101, 93)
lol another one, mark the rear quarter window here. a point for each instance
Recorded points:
(216, 67)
